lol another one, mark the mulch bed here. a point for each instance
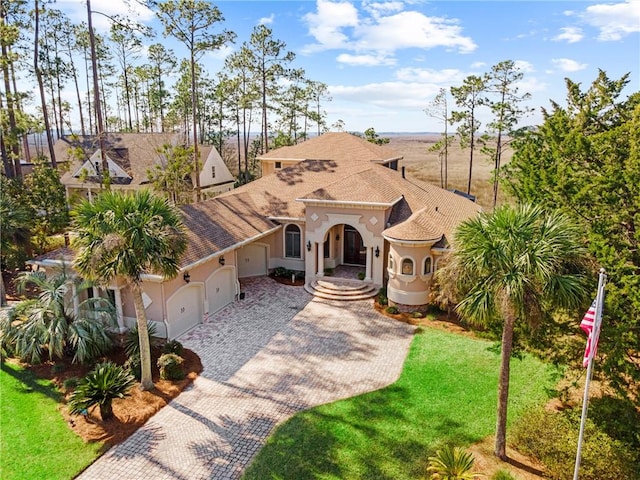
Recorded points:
(129, 413)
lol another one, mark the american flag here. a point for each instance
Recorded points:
(587, 324)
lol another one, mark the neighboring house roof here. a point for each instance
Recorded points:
(334, 146)
(130, 156)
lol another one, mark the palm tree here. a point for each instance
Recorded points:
(516, 264)
(46, 323)
(126, 235)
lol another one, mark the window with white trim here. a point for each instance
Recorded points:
(278, 164)
(292, 242)
(427, 266)
(407, 266)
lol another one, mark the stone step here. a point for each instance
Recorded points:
(340, 285)
(332, 291)
(344, 291)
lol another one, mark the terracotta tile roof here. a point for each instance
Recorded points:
(133, 152)
(220, 223)
(334, 146)
(420, 226)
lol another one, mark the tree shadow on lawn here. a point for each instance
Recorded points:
(28, 382)
(366, 439)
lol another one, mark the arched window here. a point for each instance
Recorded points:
(292, 241)
(427, 266)
(391, 265)
(407, 266)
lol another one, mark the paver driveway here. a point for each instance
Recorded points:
(265, 358)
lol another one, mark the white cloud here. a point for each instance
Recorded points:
(568, 65)
(614, 21)
(77, 11)
(378, 8)
(393, 95)
(445, 77)
(569, 34)
(476, 65)
(325, 25)
(524, 66)
(337, 25)
(365, 60)
(221, 53)
(412, 30)
(267, 20)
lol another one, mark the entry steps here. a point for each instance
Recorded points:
(341, 289)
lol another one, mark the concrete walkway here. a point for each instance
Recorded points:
(265, 358)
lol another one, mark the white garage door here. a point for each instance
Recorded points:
(184, 310)
(220, 289)
(252, 261)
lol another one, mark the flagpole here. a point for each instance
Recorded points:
(594, 342)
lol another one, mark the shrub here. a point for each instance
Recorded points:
(502, 475)
(417, 315)
(71, 383)
(101, 385)
(170, 366)
(328, 272)
(361, 275)
(392, 310)
(173, 346)
(132, 340)
(134, 365)
(451, 463)
(58, 368)
(280, 272)
(552, 439)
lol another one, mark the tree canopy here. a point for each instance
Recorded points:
(585, 160)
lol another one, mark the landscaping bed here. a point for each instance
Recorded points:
(130, 412)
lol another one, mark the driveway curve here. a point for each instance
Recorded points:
(265, 358)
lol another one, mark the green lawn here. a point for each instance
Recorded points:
(446, 393)
(35, 442)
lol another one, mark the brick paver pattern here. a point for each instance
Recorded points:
(275, 353)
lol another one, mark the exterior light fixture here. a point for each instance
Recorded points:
(186, 277)
(221, 261)
(337, 237)
(377, 252)
(308, 245)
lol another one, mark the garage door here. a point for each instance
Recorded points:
(220, 289)
(184, 310)
(252, 261)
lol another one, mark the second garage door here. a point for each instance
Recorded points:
(220, 289)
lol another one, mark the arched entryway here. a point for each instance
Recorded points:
(353, 248)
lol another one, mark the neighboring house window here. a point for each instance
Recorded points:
(407, 266)
(213, 171)
(427, 265)
(292, 241)
(278, 164)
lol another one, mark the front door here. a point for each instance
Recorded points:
(355, 253)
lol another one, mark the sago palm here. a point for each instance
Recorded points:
(122, 235)
(451, 463)
(516, 264)
(106, 382)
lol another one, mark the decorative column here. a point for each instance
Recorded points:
(320, 253)
(367, 275)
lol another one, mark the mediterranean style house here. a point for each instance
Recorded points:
(130, 156)
(330, 201)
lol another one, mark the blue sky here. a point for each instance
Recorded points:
(384, 61)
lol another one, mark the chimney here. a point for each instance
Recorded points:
(403, 172)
